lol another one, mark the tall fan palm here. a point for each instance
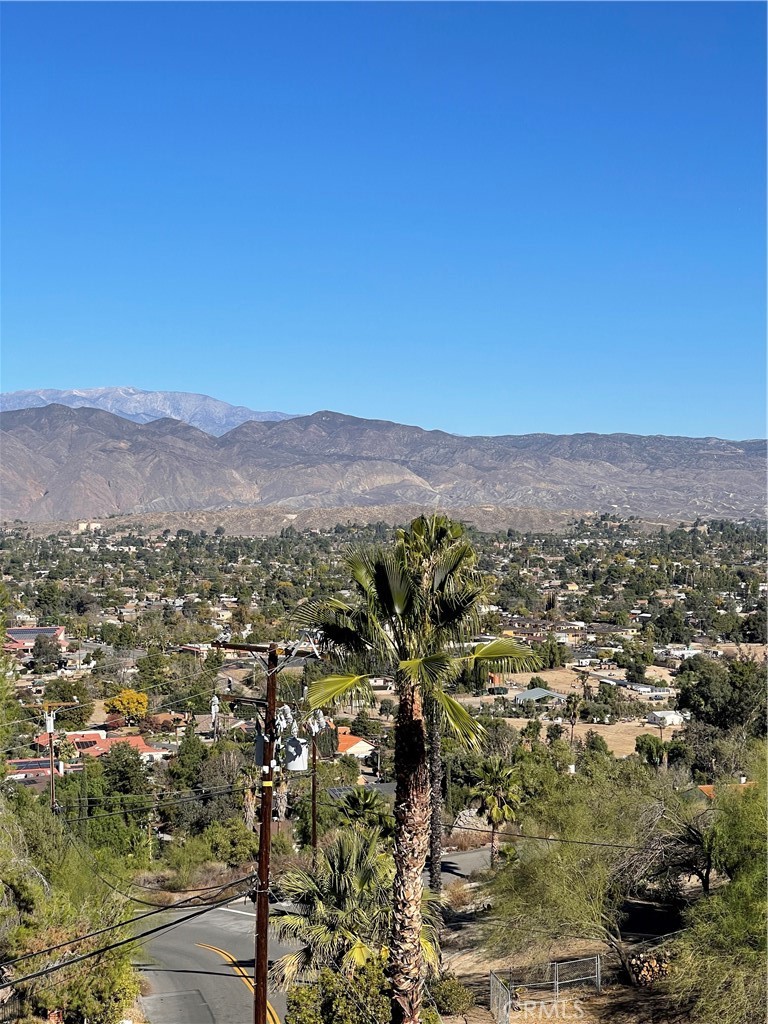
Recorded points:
(415, 615)
(341, 912)
(429, 540)
(497, 793)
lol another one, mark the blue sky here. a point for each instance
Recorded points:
(487, 218)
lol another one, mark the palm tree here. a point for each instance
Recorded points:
(414, 616)
(368, 808)
(429, 540)
(498, 794)
(341, 911)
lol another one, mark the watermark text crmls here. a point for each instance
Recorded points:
(533, 1010)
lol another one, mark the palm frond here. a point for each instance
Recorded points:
(458, 556)
(329, 689)
(505, 653)
(458, 719)
(394, 587)
(287, 968)
(430, 670)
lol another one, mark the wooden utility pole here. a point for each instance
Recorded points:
(50, 762)
(261, 940)
(50, 707)
(314, 803)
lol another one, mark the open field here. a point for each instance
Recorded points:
(620, 736)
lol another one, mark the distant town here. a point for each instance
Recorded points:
(139, 668)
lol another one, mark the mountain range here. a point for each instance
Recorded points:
(201, 411)
(61, 463)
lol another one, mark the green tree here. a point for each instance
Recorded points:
(497, 794)
(124, 771)
(718, 962)
(554, 732)
(334, 998)
(531, 731)
(724, 695)
(46, 654)
(185, 768)
(73, 691)
(563, 888)
(409, 621)
(572, 707)
(387, 708)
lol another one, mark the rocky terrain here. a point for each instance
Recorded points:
(60, 463)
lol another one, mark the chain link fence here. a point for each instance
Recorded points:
(543, 982)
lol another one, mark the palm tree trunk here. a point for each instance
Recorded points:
(436, 797)
(410, 853)
(494, 846)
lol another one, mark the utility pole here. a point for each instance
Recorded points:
(314, 803)
(292, 655)
(261, 941)
(49, 707)
(50, 719)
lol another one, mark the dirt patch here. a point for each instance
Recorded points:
(620, 736)
(99, 713)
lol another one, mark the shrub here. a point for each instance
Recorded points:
(451, 996)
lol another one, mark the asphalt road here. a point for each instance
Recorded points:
(200, 971)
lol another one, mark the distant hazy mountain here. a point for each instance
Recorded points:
(63, 463)
(208, 414)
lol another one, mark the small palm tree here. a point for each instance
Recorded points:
(498, 795)
(341, 911)
(368, 808)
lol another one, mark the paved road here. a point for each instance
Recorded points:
(455, 866)
(200, 971)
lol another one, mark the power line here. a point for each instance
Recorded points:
(90, 859)
(520, 835)
(114, 927)
(208, 794)
(121, 942)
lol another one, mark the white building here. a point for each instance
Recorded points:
(665, 719)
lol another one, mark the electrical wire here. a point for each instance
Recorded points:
(116, 945)
(122, 924)
(94, 866)
(209, 794)
(521, 835)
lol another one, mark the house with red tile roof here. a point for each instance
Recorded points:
(95, 743)
(354, 745)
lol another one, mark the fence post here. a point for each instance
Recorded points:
(557, 981)
(597, 974)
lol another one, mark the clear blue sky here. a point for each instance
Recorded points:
(488, 218)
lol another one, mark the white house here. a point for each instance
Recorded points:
(665, 719)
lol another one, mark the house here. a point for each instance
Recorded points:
(539, 695)
(354, 745)
(665, 719)
(94, 743)
(710, 793)
(21, 639)
(35, 772)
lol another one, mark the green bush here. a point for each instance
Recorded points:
(338, 999)
(450, 996)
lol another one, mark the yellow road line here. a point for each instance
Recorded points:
(245, 978)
